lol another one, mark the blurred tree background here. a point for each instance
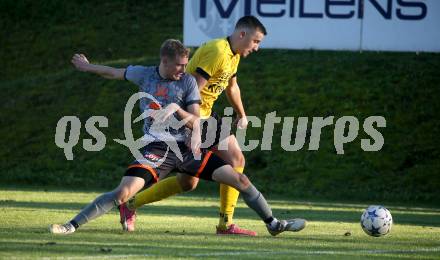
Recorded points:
(39, 86)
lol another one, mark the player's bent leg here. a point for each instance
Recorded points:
(187, 182)
(229, 195)
(129, 186)
(159, 191)
(226, 175)
(256, 201)
(233, 155)
(163, 189)
(136, 177)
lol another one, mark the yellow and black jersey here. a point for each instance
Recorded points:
(217, 63)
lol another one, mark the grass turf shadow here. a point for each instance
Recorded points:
(353, 216)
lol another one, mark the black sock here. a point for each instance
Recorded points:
(268, 220)
(73, 222)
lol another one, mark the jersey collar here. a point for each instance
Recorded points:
(159, 76)
(230, 45)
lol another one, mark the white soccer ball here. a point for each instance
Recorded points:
(376, 221)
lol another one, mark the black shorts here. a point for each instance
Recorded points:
(212, 131)
(158, 166)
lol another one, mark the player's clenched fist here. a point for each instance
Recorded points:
(80, 62)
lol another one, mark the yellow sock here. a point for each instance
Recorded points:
(159, 191)
(228, 200)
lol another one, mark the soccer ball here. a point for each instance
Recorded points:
(376, 221)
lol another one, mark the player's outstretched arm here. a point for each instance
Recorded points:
(81, 63)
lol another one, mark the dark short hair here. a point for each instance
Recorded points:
(251, 22)
(172, 48)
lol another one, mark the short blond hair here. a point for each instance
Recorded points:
(172, 48)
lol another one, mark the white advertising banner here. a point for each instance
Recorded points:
(388, 25)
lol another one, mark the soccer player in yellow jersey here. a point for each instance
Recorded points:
(214, 65)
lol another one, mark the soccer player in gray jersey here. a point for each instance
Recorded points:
(171, 94)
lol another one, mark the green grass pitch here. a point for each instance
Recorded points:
(183, 227)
